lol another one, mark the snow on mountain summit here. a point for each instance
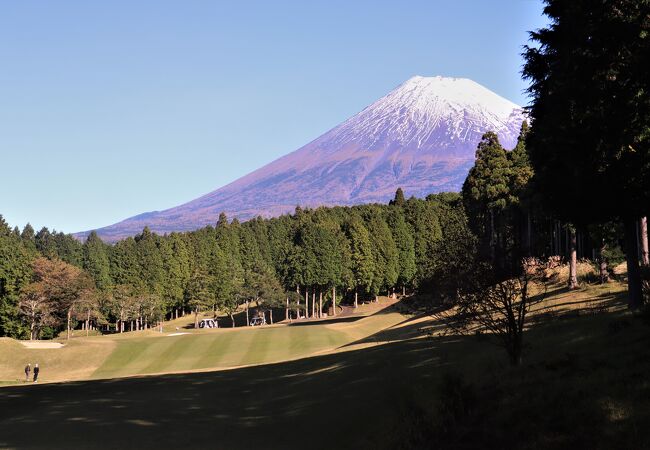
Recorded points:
(422, 137)
(414, 112)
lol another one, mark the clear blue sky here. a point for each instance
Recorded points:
(110, 109)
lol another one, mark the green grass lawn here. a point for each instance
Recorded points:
(217, 349)
(584, 384)
(150, 352)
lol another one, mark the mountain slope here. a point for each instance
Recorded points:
(421, 136)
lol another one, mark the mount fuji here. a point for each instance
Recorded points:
(421, 137)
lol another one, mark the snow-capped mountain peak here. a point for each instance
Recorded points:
(421, 136)
(413, 114)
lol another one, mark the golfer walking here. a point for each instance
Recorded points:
(28, 369)
(36, 370)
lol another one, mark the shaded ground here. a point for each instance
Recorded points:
(584, 384)
(271, 406)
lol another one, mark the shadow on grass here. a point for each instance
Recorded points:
(327, 321)
(242, 408)
(582, 385)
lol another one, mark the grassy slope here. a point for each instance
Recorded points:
(151, 352)
(78, 359)
(583, 385)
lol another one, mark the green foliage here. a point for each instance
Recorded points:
(176, 269)
(262, 287)
(403, 237)
(591, 115)
(454, 254)
(15, 272)
(363, 265)
(487, 186)
(399, 199)
(96, 261)
(422, 216)
(361, 250)
(198, 294)
(150, 265)
(591, 109)
(384, 251)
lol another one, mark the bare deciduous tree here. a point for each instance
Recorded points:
(36, 308)
(500, 308)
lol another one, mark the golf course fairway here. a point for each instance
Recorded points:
(187, 350)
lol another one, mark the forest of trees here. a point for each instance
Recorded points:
(301, 264)
(576, 185)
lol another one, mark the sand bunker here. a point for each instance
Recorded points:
(41, 344)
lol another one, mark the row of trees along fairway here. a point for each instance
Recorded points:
(590, 140)
(303, 265)
(578, 182)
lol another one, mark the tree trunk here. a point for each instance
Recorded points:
(271, 315)
(87, 321)
(32, 329)
(403, 290)
(515, 351)
(306, 303)
(320, 304)
(68, 323)
(529, 239)
(566, 240)
(492, 243)
(645, 257)
(573, 261)
(313, 303)
(286, 310)
(635, 295)
(196, 318)
(604, 274)
(248, 321)
(298, 305)
(356, 298)
(334, 300)
(232, 320)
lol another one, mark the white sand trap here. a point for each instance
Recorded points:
(41, 344)
(177, 334)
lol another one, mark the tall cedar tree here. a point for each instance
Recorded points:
(487, 194)
(403, 237)
(15, 272)
(589, 143)
(363, 265)
(96, 261)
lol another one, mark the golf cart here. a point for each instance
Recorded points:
(208, 323)
(258, 320)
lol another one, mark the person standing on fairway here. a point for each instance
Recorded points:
(36, 370)
(28, 369)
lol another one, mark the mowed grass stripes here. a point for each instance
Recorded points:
(221, 348)
(150, 352)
